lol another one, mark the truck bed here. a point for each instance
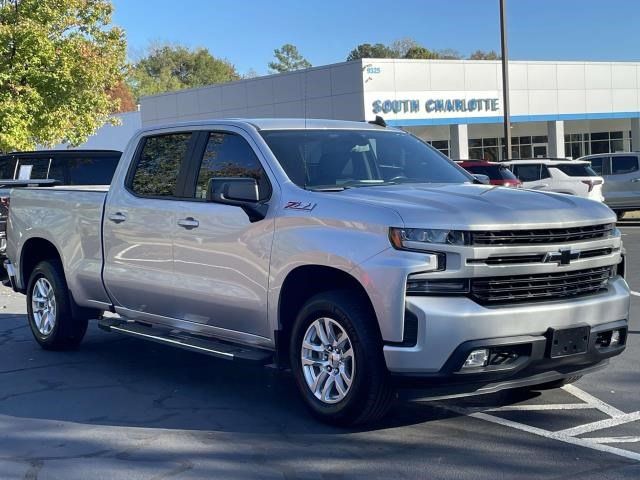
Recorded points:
(70, 218)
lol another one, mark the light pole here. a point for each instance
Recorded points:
(505, 79)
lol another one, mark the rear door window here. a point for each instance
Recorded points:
(159, 163)
(624, 164)
(598, 165)
(527, 173)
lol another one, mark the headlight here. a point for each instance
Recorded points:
(416, 238)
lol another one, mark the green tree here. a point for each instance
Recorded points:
(367, 50)
(58, 62)
(402, 46)
(174, 67)
(288, 59)
(419, 52)
(481, 55)
(448, 54)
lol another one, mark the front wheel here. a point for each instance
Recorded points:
(49, 309)
(337, 361)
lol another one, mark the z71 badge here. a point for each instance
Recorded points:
(307, 207)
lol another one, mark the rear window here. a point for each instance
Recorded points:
(494, 172)
(7, 167)
(576, 170)
(97, 170)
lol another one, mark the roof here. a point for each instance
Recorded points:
(545, 161)
(276, 124)
(479, 162)
(64, 152)
(613, 154)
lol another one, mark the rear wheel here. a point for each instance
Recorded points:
(620, 214)
(49, 309)
(337, 361)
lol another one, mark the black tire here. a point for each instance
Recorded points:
(556, 384)
(620, 214)
(370, 394)
(68, 330)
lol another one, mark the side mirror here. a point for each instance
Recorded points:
(481, 178)
(238, 192)
(233, 190)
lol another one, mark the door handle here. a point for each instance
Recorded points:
(189, 223)
(635, 180)
(118, 217)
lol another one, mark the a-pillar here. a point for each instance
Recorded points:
(555, 134)
(458, 142)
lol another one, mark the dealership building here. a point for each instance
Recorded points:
(558, 109)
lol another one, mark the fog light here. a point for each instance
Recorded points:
(615, 338)
(477, 358)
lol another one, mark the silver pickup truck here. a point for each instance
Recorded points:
(354, 254)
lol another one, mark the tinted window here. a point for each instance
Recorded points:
(156, 173)
(7, 167)
(623, 164)
(359, 158)
(229, 155)
(597, 165)
(527, 173)
(86, 170)
(494, 172)
(544, 172)
(36, 168)
(576, 170)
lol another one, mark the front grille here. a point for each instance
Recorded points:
(541, 236)
(539, 287)
(534, 257)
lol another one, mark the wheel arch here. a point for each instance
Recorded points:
(302, 283)
(34, 251)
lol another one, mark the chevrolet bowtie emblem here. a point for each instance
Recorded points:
(563, 257)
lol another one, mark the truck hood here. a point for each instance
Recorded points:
(479, 207)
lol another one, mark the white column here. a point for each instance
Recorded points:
(635, 134)
(458, 142)
(555, 134)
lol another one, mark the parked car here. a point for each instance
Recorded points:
(572, 177)
(357, 255)
(498, 173)
(48, 168)
(621, 173)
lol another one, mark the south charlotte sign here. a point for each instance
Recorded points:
(436, 105)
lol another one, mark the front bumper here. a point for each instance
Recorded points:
(448, 327)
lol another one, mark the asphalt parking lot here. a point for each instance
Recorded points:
(124, 408)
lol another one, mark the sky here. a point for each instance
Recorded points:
(246, 32)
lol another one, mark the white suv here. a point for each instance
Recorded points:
(562, 176)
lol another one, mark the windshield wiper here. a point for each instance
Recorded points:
(334, 188)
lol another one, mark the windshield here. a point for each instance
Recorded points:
(336, 159)
(576, 170)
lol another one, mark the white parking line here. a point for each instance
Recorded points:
(569, 435)
(615, 439)
(535, 408)
(601, 424)
(593, 401)
(637, 294)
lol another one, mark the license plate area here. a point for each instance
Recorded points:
(568, 341)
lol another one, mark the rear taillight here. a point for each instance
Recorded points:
(592, 183)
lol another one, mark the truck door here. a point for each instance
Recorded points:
(623, 185)
(221, 257)
(139, 224)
